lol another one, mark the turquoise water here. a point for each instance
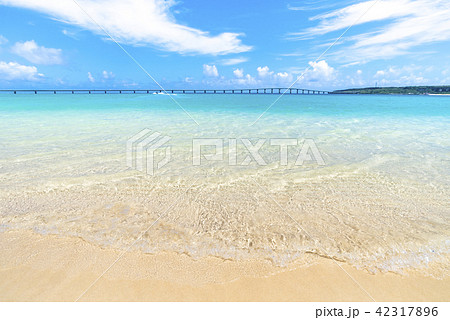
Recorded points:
(379, 201)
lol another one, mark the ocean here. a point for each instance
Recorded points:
(362, 179)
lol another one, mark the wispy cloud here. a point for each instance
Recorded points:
(91, 77)
(137, 22)
(3, 40)
(233, 61)
(310, 6)
(70, 34)
(34, 53)
(409, 23)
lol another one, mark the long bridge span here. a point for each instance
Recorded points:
(288, 91)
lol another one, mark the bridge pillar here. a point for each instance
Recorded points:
(35, 92)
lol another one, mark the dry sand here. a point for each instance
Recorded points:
(51, 268)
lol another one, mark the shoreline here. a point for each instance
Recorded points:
(35, 267)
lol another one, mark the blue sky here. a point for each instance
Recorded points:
(223, 44)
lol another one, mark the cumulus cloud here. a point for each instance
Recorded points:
(238, 73)
(319, 74)
(283, 75)
(107, 74)
(16, 71)
(210, 71)
(264, 72)
(406, 75)
(320, 71)
(34, 53)
(409, 23)
(246, 80)
(136, 22)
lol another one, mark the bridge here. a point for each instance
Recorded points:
(289, 91)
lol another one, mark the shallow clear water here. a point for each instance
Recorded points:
(379, 201)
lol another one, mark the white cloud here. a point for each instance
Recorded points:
(264, 72)
(282, 75)
(248, 80)
(320, 71)
(406, 75)
(379, 73)
(359, 72)
(233, 61)
(34, 53)
(107, 74)
(210, 71)
(320, 75)
(137, 22)
(238, 73)
(309, 7)
(15, 71)
(70, 34)
(409, 23)
(90, 77)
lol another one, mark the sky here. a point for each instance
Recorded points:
(132, 44)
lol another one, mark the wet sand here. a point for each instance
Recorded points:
(53, 268)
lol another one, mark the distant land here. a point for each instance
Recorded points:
(397, 90)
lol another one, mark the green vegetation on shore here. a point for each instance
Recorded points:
(397, 90)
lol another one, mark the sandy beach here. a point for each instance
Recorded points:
(53, 268)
